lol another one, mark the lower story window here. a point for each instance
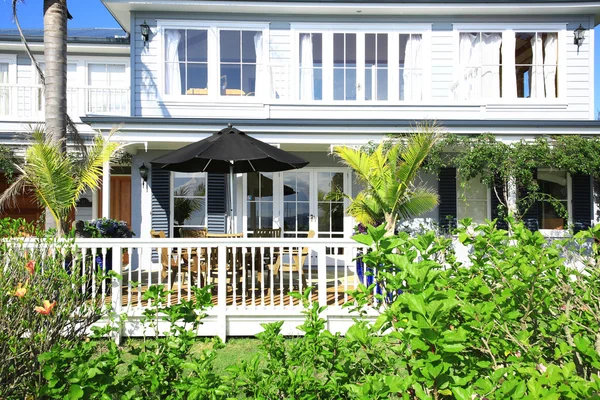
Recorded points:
(260, 201)
(472, 200)
(189, 202)
(554, 184)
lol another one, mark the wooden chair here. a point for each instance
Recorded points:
(193, 233)
(295, 266)
(229, 261)
(267, 233)
(174, 262)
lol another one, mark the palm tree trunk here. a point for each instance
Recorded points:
(55, 54)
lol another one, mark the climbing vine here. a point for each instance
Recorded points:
(501, 164)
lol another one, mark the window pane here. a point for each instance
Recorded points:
(197, 78)
(324, 217)
(189, 184)
(266, 215)
(197, 50)
(338, 84)
(231, 84)
(303, 217)
(338, 49)
(351, 84)
(248, 46)
(351, 49)
(230, 46)
(472, 200)
(248, 80)
(553, 183)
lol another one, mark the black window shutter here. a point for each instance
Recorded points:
(161, 199)
(498, 191)
(447, 193)
(530, 215)
(581, 202)
(217, 203)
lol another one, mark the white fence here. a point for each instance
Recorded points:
(251, 278)
(27, 101)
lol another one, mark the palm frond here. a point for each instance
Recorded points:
(8, 198)
(89, 171)
(419, 201)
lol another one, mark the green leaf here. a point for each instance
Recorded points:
(462, 393)
(75, 392)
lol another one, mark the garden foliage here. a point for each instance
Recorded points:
(42, 304)
(520, 319)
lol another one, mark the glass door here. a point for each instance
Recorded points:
(330, 204)
(296, 210)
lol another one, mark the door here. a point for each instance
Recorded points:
(120, 198)
(313, 200)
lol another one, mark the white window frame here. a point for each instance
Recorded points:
(213, 29)
(172, 205)
(393, 31)
(459, 198)
(560, 28)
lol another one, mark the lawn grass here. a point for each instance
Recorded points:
(235, 351)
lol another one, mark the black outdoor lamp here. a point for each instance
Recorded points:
(579, 35)
(145, 32)
(144, 172)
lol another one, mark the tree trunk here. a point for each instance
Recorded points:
(55, 54)
(390, 224)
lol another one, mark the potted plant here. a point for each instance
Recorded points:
(108, 228)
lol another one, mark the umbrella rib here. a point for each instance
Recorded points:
(204, 169)
(253, 169)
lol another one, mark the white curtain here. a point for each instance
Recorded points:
(465, 71)
(172, 67)
(537, 70)
(413, 69)
(4, 89)
(550, 60)
(509, 69)
(261, 79)
(307, 72)
(490, 65)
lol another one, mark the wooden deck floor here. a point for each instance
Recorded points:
(248, 298)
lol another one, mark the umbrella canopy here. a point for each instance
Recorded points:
(226, 148)
(229, 150)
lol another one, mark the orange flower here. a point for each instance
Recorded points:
(47, 308)
(21, 290)
(30, 266)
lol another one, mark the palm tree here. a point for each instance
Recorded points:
(388, 174)
(58, 179)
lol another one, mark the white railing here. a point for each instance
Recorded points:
(251, 278)
(27, 101)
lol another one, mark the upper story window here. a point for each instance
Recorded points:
(214, 60)
(4, 90)
(186, 61)
(372, 65)
(508, 65)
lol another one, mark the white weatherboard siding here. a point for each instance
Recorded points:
(574, 102)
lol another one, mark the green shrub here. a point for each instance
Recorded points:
(42, 305)
(514, 322)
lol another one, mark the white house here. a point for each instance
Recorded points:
(305, 76)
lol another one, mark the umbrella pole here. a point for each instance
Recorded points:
(231, 198)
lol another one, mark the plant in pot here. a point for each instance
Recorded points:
(107, 228)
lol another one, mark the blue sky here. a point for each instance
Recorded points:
(91, 13)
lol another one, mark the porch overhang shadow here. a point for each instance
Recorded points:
(229, 151)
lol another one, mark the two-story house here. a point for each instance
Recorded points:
(308, 75)
(98, 84)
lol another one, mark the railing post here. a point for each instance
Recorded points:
(222, 291)
(322, 275)
(117, 292)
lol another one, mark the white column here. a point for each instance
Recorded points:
(106, 190)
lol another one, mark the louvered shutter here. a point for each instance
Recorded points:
(217, 203)
(447, 193)
(161, 199)
(581, 202)
(530, 215)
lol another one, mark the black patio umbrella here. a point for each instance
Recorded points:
(229, 150)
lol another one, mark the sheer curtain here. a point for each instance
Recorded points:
(307, 74)
(490, 65)
(413, 69)
(172, 66)
(550, 60)
(464, 56)
(4, 89)
(509, 69)
(537, 70)
(261, 79)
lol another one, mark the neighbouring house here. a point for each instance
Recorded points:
(98, 84)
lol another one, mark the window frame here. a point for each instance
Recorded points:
(213, 29)
(172, 203)
(11, 60)
(561, 81)
(393, 31)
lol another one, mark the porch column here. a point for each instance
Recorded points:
(106, 190)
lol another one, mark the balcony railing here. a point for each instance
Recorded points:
(27, 101)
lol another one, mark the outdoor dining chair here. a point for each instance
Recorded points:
(289, 269)
(174, 262)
